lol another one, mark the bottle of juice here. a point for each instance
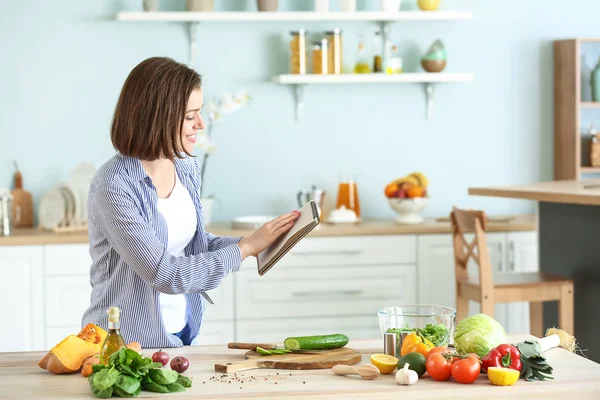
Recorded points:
(114, 341)
(348, 196)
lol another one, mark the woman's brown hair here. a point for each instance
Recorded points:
(151, 109)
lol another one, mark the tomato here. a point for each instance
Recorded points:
(438, 367)
(466, 370)
(439, 349)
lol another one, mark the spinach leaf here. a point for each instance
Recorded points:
(104, 394)
(128, 384)
(175, 387)
(163, 376)
(105, 379)
(155, 387)
(184, 381)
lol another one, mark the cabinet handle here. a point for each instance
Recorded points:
(326, 253)
(500, 257)
(354, 292)
(511, 255)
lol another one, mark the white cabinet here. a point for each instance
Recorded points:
(67, 287)
(509, 253)
(523, 256)
(324, 285)
(22, 299)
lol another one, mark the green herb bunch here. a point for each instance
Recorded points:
(437, 334)
(127, 373)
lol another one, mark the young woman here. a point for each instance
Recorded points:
(146, 228)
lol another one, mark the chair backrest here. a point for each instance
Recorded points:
(472, 221)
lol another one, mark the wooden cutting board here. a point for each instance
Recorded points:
(296, 361)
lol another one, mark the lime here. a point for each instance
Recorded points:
(416, 362)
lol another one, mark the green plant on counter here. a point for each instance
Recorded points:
(438, 334)
(127, 373)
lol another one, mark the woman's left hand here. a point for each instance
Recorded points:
(267, 234)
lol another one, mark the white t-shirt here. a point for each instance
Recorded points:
(179, 212)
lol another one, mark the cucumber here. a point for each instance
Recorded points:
(321, 342)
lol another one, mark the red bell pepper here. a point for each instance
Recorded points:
(505, 355)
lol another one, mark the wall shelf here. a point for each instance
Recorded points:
(301, 16)
(589, 104)
(569, 143)
(384, 19)
(194, 18)
(425, 78)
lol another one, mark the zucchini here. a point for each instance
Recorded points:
(321, 342)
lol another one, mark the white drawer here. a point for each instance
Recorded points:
(321, 291)
(277, 330)
(215, 333)
(66, 259)
(67, 298)
(351, 250)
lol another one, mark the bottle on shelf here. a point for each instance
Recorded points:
(362, 62)
(394, 62)
(114, 341)
(377, 47)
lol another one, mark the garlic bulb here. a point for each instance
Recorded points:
(406, 376)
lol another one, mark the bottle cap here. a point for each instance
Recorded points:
(113, 314)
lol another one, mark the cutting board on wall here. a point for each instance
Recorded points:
(293, 361)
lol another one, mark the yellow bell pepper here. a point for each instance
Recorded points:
(414, 343)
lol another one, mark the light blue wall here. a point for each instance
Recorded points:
(63, 64)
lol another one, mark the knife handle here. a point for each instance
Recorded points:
(251, 346)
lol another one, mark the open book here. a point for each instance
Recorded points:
(306, 222)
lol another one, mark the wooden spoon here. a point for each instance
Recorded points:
(366, 371)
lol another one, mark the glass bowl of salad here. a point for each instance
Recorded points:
(431, 322)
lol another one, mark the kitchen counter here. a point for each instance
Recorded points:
(515, 223)
(568, 232)
(570, 192)
(20, 377)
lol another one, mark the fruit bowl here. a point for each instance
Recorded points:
(417, 316)
(408, 209)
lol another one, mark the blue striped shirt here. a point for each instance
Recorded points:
(130, 262)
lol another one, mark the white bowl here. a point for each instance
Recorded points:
(408, 209)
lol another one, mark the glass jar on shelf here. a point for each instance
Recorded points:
(394, 62)
(298, 52)
(319, 57)
(334, 51)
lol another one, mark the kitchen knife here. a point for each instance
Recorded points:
(251, 346)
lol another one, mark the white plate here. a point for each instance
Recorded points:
(70, 203)
(80, 179)
(51, 209)
(76, 193)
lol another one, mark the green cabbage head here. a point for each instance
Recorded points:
(478, 334)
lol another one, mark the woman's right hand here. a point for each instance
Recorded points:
(264, 236)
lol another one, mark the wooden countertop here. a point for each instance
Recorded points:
(514, 223)
(585, 192)
(20, 377)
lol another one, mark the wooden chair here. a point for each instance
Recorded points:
(488, 290)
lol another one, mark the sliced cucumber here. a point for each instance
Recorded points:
(321, 342)
(264, 352)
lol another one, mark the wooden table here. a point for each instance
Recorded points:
(569, 237)
(21, 378)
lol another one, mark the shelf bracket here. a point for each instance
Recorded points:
(429, 99)
(193, 27)
(385, 42)
(299, 98)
